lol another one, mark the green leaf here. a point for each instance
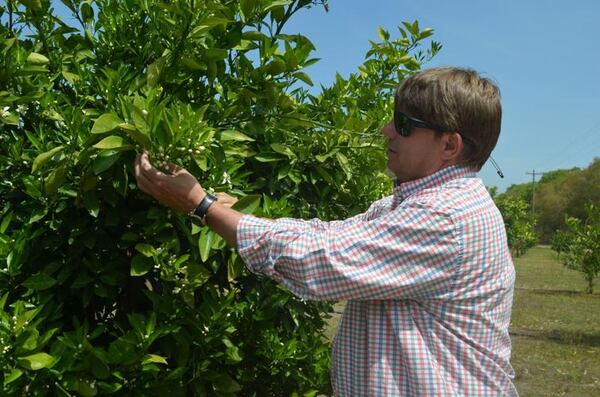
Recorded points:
(345, 164)
(71, 77)
(113, 142)
(232, 135)
(32, 69)
(247, 204)
(205, 242)
(304, 77)
(279, 148)
(145, 249)
(10, 118)
(153, 358)
(225, 383)
(154, 71)
(105, 160)
(87, 12)
(33, 5)
(55, 180)
(235, 267)
(193, 63)
(324, 174)
(207, 24)
(141, 265)
(106, 123)
(38, 214)
(44, 157)
(36, 361)
(215, 54)
(3, 301)
(5, 222)
(39, 281)
(254, 35)
(136, 135)
(14, 375)
(384, 35)
(269, 157)
(246, 9)
(37, 59)
(87, 388)
(91, 203)
(197, 275)
(276, 4)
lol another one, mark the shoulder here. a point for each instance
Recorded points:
(454, 198)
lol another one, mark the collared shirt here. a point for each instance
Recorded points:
(429, 282)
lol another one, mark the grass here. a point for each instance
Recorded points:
(555, 329)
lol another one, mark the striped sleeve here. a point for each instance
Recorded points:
(411, 252)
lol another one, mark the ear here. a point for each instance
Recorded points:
(452, 146)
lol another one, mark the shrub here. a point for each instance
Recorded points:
(104, 291)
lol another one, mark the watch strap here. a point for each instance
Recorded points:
(201, 210)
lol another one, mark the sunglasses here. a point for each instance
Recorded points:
(404, 124)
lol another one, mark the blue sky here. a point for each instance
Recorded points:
(543, 54)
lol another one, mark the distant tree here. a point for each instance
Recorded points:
(579, 245)
(521, 191)
(585, 189)
(520, 224)
(552, 200)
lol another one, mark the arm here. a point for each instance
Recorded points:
(181, 191)
(412, 252)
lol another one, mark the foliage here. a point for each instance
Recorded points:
(520, 225)
(103, 290)
(579, 245)
(560, 192)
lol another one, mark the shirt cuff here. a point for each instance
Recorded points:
(252, 242)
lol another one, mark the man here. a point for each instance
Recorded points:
(426, 271)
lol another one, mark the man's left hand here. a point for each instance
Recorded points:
(178, 190)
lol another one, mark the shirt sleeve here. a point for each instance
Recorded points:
(411, 252)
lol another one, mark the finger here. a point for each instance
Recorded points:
(174, 168)
(136, 165)
(144, 184)
(148, 170)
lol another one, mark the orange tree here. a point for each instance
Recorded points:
(520, 223)
(104, 291)
(578, 246)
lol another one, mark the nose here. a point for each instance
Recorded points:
(389, 130)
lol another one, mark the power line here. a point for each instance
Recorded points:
(577, 141)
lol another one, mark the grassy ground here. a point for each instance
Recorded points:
(555, 329)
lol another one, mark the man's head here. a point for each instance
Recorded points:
(443, 117)
(459, 101)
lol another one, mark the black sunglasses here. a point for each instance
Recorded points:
(404, 124)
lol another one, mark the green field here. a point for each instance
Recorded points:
(555, 329)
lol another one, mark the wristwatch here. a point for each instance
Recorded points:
(199, 214)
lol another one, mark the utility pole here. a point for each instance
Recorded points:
(533, 174)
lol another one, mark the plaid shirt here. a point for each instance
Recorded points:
(429, 282)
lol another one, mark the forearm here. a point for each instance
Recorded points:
(224, 221)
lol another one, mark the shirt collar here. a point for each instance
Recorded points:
(438, 178)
